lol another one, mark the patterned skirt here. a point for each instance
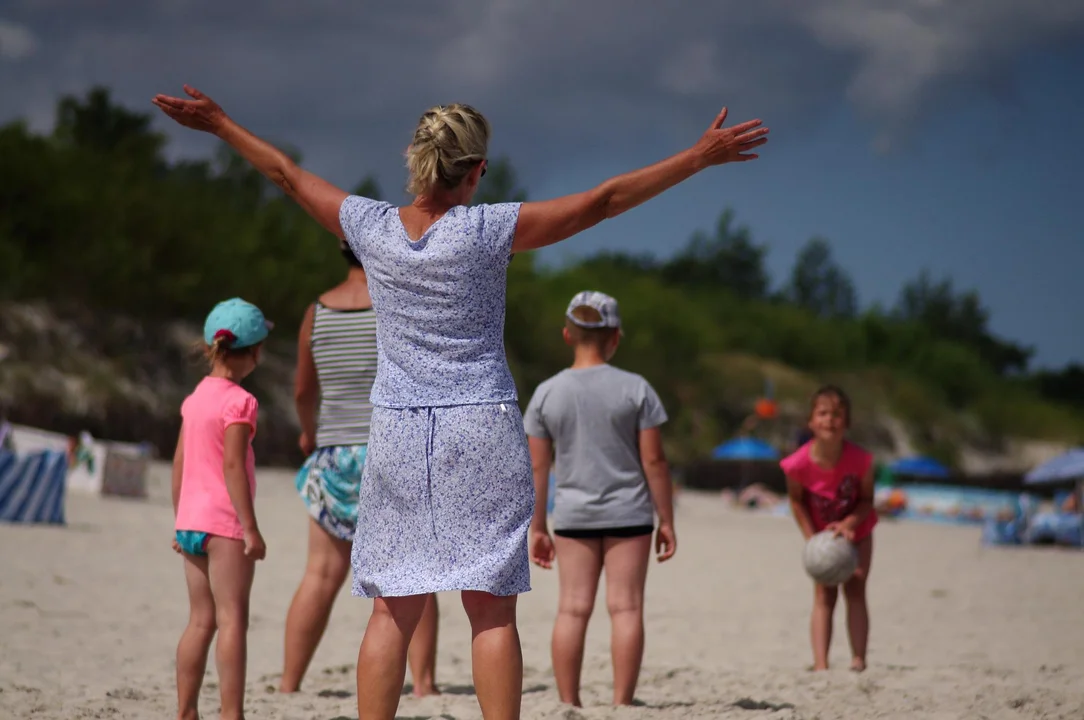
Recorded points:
(328, 483)
(446, 502)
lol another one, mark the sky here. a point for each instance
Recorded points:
(916, 134)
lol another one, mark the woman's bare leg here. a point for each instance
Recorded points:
(383, 654)
(325, 571)
(422, 653)
(625, 561)
(579, 564)
(230, 572)
(196, 639)
(495, 653)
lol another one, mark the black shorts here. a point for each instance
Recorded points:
(597, 533)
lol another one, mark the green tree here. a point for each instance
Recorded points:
(727, 259)
(97, 123)
(960, 317)
(368, 188)
(819, 284)
(500, 184)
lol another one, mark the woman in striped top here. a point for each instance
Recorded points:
(336, 367)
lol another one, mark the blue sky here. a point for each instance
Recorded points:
(912, 134)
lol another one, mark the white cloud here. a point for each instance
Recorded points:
(16, 41)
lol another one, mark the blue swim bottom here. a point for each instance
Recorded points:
(192, 542)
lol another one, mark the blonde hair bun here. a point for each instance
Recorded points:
(448, 142)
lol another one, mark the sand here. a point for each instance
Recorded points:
(90, 615)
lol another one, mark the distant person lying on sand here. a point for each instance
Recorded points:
(755, 496)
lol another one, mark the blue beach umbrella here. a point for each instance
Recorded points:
(1063, 468)
(919, 466)
(745, 449)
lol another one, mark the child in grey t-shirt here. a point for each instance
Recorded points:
(601, 425)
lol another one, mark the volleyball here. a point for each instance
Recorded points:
(829, 559)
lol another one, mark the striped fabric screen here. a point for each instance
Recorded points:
(32, 486)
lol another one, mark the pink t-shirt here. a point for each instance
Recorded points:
(832, 494)
(204, 504)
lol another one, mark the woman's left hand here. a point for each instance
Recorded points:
(199, 113)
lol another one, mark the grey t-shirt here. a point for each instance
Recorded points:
(594, 417)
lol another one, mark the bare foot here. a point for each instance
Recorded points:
(858, 665)
(426, 691)
(817, 668)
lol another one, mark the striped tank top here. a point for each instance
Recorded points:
(344, 351)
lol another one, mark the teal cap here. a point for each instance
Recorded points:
(242, 323)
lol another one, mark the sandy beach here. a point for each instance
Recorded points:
(90, 615)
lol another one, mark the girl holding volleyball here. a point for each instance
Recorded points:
(830, 484)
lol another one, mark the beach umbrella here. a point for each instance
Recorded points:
(919, 466)
(745, 448)
(1063, 468)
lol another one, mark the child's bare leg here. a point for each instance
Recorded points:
(625, 561)
(857, 611)
(196, 639)
(824, 605)
(422, 653)
(579, 563)
(231, 573)
(325, 571)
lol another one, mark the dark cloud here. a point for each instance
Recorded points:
(345, 81)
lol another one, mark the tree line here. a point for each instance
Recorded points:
(94, 215)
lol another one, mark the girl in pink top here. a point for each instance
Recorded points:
(214, 483)
(830, 484)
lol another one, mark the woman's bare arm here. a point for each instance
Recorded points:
(306, 382)
(316, 196)
(551, 221)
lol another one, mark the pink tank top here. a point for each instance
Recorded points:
(832, 494)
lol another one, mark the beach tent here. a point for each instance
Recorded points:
(920, 466)
(32, 486)
(745, 448)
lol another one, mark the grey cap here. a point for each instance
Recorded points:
(606, 306)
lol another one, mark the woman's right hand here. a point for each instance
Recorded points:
(199, 113)
(719, 145)
(307, 444)
(542, 552)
